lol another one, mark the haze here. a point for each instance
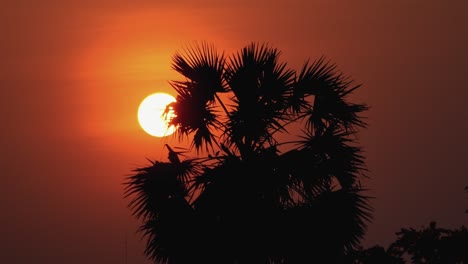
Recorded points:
(72, 74)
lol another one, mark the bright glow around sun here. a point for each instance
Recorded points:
(150, 115)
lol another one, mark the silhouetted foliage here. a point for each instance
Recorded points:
(255, 197)
(431, 245)
(373, 255)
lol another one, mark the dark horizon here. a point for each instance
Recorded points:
(74, 73)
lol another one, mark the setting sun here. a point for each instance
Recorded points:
(150, 115)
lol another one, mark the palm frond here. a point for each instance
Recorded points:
(338, 155)
(169, 235)
(320, 91)
(193, 116)
(203, 68)
(261, 86)
(152, 187)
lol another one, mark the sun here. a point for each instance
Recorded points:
(150, 114)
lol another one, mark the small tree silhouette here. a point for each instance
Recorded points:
(373, 255)
(429, 244)
(432, 244)
(251, 197)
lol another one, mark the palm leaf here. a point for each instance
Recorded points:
(159, 194)
(261, 85)
(194, 109)
(203, 67)
(338, 155)
(327, 89)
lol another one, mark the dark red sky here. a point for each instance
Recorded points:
(72, 74)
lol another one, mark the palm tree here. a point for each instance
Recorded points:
(252, 194)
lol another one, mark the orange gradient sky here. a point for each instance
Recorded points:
(72, 74)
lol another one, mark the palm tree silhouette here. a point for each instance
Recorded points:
(255, 197)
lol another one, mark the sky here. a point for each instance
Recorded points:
(72, 74)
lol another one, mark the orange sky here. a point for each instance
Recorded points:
(72, 74)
